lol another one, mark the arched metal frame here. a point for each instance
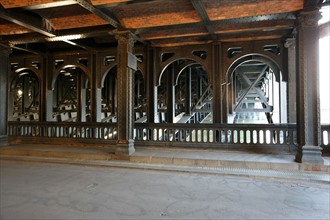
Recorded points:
(191, 61)
(14, 82)
(255, 57)
(105, 74)
(65, 66)
(112, 69)
(83, 85)
(187, 62)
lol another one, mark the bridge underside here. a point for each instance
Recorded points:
(194, 74)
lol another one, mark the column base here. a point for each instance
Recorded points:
(125, 147)
(3, 140)
(309, 154)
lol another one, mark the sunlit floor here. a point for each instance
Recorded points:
(61, 191)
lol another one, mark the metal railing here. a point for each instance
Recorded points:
(211, 135)
(74, 130)
(215, 135)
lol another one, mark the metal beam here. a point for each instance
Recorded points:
(252, 85)
(252, 19)
(78, 45)
(50, 5)
(20, 48)
(38, 25)
(85, 4)
(70, 34)
(200, 8)
(35, 24)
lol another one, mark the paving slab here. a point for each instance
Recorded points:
(63, 191)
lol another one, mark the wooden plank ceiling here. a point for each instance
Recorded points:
(38, 26)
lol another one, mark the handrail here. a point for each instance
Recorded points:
(218, 134)
(180, 134)
(75, 130)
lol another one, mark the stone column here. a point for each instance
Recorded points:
(4, 64)
(290, 44)
(125, 77)
(308, 97)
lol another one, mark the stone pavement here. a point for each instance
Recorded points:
(35, 190)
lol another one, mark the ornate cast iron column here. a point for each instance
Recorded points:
(125, 143)
(308, 97)
(4, 64)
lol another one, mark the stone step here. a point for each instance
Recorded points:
(56, 151)
(181, 160)
(218, 158)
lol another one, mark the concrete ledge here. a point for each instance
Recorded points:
(218, 158)
(229, 163)
(166, 159)
(60, 152)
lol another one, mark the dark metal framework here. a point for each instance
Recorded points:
(120, 86)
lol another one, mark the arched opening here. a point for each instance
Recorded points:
(109, 96)
(184, 93)
(256, 93)
(71, 96)
(25, 97)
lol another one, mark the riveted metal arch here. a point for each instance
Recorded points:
(195, 61)
(254, 57)
(64, 66)
(182, 53)
(187, 64)
(104, 75)
(14, 79)
(27, 64)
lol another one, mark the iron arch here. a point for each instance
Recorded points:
(190, 61)
(114, 65)
(254, 57)
(62, 67)
(19, 73)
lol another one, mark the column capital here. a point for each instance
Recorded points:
(125, 37)
(309, 18)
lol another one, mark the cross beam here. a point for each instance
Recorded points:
(252, 88)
